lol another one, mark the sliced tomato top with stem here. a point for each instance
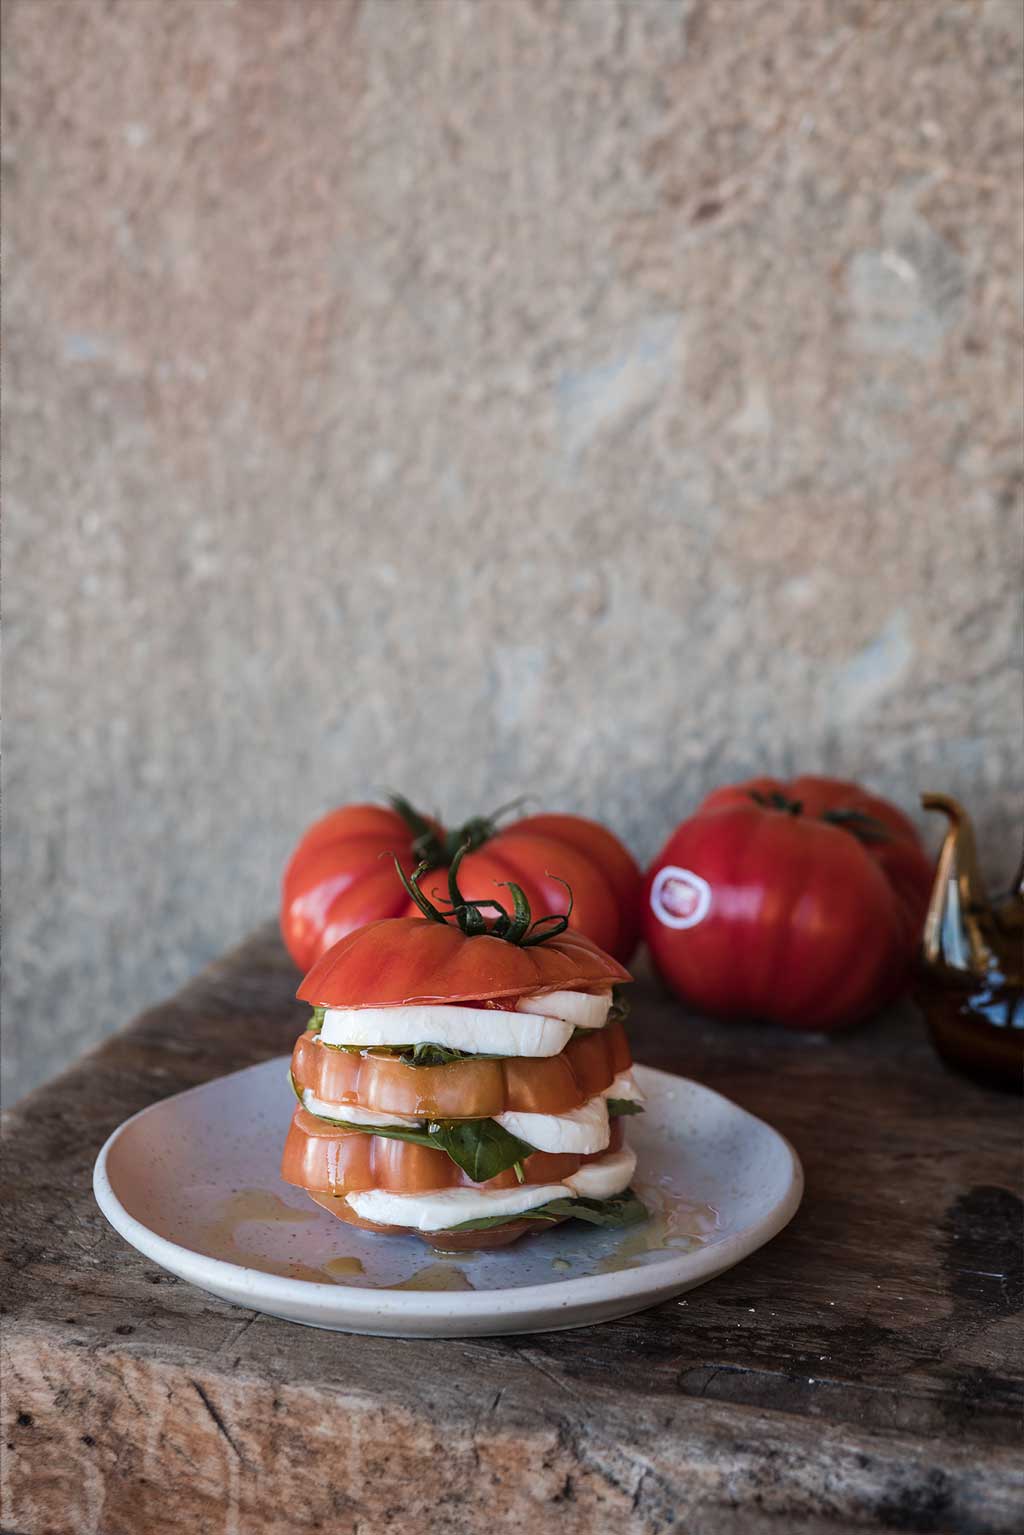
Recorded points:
(400, 960)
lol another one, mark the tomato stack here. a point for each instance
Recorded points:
(464, 1078)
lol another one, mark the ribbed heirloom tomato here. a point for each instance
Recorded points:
(799, 902)
(464, 1074)
(341, 876)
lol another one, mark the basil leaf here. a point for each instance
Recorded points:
(481, 1147)
(437, 1055)
(415, 1055)
(617, 1107)
(488, 1222)
(624, 1210)
(316, 1023)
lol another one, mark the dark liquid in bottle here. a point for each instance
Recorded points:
(978, 1029)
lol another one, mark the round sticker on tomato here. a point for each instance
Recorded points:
(680, 898)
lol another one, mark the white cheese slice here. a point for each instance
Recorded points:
(583, 1130)
(352, 1114)
(582, 1009)
(476, 1030)
(450, 1207)
(607, 1176)
(625, 1086)
(444, 1208)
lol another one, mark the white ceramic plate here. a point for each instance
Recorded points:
(193, 1183)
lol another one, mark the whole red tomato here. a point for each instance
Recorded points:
(340, 876)
(799, 902)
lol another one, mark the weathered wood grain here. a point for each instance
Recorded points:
(863, 1372)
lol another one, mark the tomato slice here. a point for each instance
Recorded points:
(465, 1089)
(404, 959)
(322, 1159)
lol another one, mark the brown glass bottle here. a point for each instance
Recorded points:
(972, 983)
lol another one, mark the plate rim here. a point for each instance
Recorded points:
(365, 1303)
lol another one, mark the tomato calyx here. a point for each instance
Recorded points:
(437, 848)
(857, 822)
(427, 844)
(777, 801)
(518, 926)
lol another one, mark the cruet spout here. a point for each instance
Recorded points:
(959, 911)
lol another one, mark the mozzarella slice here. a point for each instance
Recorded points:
(607, 1176)
(444, 1208)
(583, 1130)
(450, 1207)
(625, 1086)
(352, 1114)
(582, 1009)
(476, 1030)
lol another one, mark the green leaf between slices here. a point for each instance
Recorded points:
(423, 1054)
(438, 1055)
(316, 1023)
(624, 1210)
(481, 1147)
(617, 1107)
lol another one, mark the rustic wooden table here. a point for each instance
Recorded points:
(861, 1372)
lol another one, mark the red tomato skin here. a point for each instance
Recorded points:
(341, 877)
(803, 927)
(394, 962)
(613, 861)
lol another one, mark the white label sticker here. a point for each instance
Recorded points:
(680, 898)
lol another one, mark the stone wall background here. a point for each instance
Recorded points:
(602, 398)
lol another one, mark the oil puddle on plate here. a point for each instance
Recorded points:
(220, 1233)
(674, 1224)
(436, 1276)
(343, 1268)
(245, 1227)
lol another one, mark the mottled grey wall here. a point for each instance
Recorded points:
(602, 398)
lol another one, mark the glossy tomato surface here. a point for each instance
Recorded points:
(407, 959)
(341, 875)
(464, 1089)
(801, 903)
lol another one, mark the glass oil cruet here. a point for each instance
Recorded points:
(973, 961)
